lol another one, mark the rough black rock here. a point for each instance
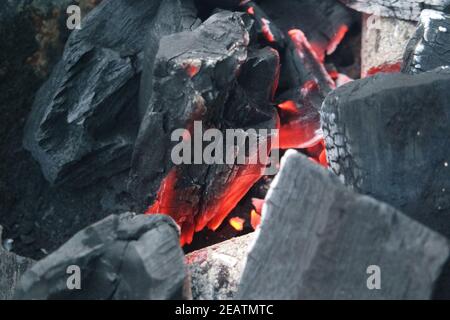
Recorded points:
(387, 136)
(317, 240)
(402, 9)
(120, 257)
(429, 47)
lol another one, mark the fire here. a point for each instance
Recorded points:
(237, 223)
(386, 68)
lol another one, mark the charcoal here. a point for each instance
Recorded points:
(196, 78)
(266, 29)
(309, 83)
(317, 240)
(324, 22)
(12, 267)
(401, 9)
(387, 136)
(173, 16)
(384, 40)
(215, 271)
(120, 257)
(84, 119)
(429, 46)
(223, 4)
(33, 34)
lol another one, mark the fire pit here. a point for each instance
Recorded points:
(178, 113)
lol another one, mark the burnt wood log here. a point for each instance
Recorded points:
(208, 75)
(215, 271)
(318, 239)
(387, 137)
(429, 46)
(12, 267)
(120, 257)
(401, 9)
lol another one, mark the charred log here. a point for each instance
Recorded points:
(387, 136)
(429, 47)
(120, 257)
(318, 239)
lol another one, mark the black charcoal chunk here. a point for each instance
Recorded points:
(401, 9)
(319, 240)
(429, 47)
(120, 257)
(173, 16)
(387, 136)
(84, 119)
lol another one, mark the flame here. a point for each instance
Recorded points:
(237, 223)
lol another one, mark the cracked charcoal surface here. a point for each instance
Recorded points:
(387, 136)
(402, 9)
(120, 257)
(317, 239)
(429, 46)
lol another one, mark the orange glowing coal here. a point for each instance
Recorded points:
(237, 223)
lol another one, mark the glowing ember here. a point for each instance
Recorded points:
(237, 223)
(386, 68)
(337, 39)
(255, 219)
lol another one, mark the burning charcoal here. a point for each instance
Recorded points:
(429, 47)
(173, 16)
(12, 267)
(215, 271)
(324, 22)
(387, 136)
(401, 9)
(120, 257)
(299, 110)
(266, 28)
(383, 42)
(196, 85)
(319, 240)
(84, 119)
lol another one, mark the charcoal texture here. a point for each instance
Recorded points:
(402, 9)
(83, 122)
(429, 46)
(33, 35)
(208, 74)
(320, 20)
(387, 136)
(173, 16)
(120, 257)
(318, 238)
(12, 267)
